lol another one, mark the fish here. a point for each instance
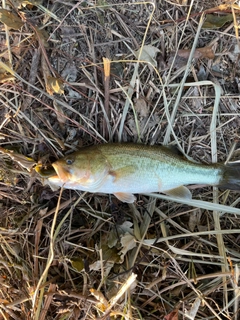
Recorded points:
(125, 169)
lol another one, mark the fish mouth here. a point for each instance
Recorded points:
(45, 172)
(62, 174)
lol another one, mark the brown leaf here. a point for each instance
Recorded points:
(183, 55)
(172, 315)
(24, 161)
(205, 52)
(4, 77)
(60, 114)
(42, 36)
(103, 303)
(10, 19)
(141, 107)
(53, 84)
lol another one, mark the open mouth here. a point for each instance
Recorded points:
(61, 172)
(45, 172)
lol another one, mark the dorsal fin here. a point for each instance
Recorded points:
(174, 150)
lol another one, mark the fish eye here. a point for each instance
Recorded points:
(69, 161)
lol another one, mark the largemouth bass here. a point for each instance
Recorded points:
(127, 169)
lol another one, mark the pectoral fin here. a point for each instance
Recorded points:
(124, 172)
(125, 197)
(180, 192)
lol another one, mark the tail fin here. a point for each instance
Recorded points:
(231, 176)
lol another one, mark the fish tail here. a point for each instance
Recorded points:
(230, 177)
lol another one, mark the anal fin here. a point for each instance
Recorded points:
(179, 192)
(125, 197)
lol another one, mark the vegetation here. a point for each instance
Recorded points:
(74, 74)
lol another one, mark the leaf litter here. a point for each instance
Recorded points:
(61, 90)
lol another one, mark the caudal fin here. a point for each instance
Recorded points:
(231, 177)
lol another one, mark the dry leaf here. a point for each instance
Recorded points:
(128, 243)
(24, 161)
(141, 107)
(6, 77)
(117, 231)
(194, 219)
(192, 313)
(172, 315)
(183, 56)
(10, 19)
(205, 52)
(59, 113)
(110, 254)
(42, 36)
(103, 303)
(215, 22)
(24, 3)
(54, 85)
(148, 54)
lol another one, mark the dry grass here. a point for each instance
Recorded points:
(66, 255)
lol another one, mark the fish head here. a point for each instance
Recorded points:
(72, 168)
(83, 170)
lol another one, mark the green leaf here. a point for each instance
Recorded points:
(215, 22)
(77, 263)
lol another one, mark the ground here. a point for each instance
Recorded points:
(75, 74)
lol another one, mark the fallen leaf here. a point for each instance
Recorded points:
(59, 113)
(24, 3)
(205, 52)
(148, 53)
(215, 22)
(4, 77)
(103, 303)
(172, 315)
(183, 55)
(42, 36)
(110, 254)
(118, 231)
(128, 243)
(54, 85)
(192, 313)
(141, 107)
(24, 161)
(77, 263)
(10, 19)
(194, 219)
